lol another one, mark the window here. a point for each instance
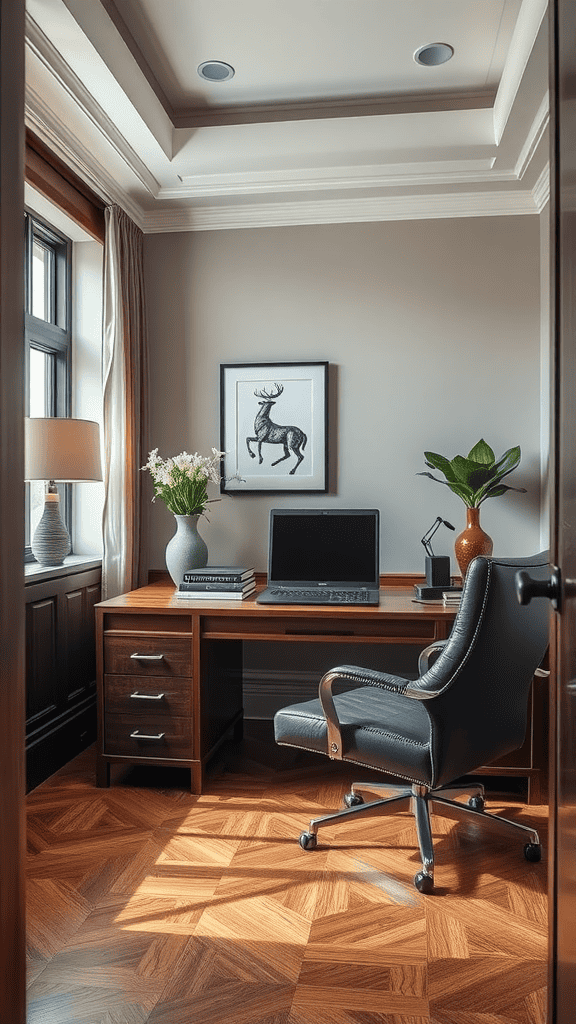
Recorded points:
(47, 272)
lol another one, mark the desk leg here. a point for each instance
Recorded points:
(535, 789)
(196, 778)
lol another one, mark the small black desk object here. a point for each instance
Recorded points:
(438, 580)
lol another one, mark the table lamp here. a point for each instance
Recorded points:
(438, 579)
(65, 450)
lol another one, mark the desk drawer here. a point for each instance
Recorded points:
(147, 656)
(153, 696)
(147, 736)
(315, 627)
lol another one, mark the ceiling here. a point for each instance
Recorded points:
(327, 118)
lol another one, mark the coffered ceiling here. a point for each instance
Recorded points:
(327, 117)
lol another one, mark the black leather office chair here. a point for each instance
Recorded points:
(467, 708)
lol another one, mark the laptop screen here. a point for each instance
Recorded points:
(324, 546)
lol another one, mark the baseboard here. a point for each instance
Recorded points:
(57, 742)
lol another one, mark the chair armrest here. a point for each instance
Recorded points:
(426, 656)
(367, 676)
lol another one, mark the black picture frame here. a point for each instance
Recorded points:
(287, 453)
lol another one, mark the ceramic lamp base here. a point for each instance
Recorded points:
(51, 542)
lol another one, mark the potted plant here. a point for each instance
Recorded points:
(181, 483)
(474, 478)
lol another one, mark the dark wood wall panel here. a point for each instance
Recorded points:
(41, 667)
(73, 637)
(60, 671)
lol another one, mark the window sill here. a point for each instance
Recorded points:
(72, 564)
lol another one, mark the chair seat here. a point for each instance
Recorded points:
(379, 729)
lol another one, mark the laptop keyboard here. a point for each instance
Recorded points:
(297, 594)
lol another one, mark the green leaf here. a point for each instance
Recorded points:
(471, 473)
(507, 462)
(482, 452)
(460, 489)
(479, 477)
(460, 468)
(500, 488)
(439, 462)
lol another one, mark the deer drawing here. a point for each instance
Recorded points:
(292, 438)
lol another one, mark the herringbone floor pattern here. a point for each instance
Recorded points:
(147, 905)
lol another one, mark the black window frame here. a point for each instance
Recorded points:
(52, 336)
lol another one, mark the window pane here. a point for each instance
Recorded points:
(39, 370)
(48, 344)
(37, 490)
(41, 373)
(41, 280)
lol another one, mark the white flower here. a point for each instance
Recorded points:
(181, 481)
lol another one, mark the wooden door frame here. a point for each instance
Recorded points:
(12, 833)
(562, 842)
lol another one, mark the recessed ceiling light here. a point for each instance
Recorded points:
(433, 54)
(215, 71)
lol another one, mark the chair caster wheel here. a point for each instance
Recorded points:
(308, 841)
(477, 803)
(353, 799)
(424, 883)
(533, 852)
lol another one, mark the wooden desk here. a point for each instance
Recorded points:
(169, 671)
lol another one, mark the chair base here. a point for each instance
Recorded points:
(418, 799)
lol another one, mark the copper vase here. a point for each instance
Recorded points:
(472, 541)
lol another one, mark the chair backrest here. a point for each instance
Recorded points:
(481, 680)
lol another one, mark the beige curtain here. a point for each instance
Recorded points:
(125, 385)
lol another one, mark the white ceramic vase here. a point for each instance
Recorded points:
(186, 549)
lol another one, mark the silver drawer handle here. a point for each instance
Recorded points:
(147, 657)
(147, 696)
(136, 735)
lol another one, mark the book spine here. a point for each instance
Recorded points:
(199, 586)
(215, 595)
(226, 580)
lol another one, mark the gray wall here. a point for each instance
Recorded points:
(432, 330)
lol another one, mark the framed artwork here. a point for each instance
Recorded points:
(274, 426)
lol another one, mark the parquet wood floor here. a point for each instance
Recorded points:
(147, 905)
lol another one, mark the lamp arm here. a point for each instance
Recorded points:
(430, 533)
(428, 536)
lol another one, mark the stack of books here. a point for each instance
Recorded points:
(451, 598)
(223, 582)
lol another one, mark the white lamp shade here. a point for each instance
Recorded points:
(61, 448)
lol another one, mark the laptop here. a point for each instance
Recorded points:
(323, 556)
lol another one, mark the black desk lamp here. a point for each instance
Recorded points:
(437, 567)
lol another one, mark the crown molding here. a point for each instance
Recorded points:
(48, 55)
(528, 24)
(340, 211)
(541, 190)
(43, 122)
(121, 27)
(352, 209)
(534, 137)
(327, 179)
(305, 110)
